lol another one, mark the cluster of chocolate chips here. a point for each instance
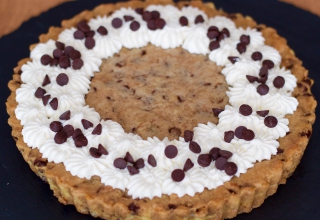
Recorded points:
(178, 175)
(128, 162)
(220, 158)
(244, 42)
(84, 32)
(134, 25)
(184, 20)
(216, 36)
(64, 57)
(62, 79)
(153, 19)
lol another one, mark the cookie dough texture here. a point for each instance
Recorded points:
(240, 194)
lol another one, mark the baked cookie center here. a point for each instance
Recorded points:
(156, 92)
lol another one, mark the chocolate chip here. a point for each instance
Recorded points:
(183, 21)
(94, 152)
(128, 18)
(128, 158)
(102, 31)
(64, 62)
(152, 161)
(271, 121)
(62, 79)
(57, 53)
(160, 23)
(307, 133)
(238, 131)
(177, 175)
(268, 63)
(90, 42)
(39, 93)
(213, 28)
(256, 56)
(90, 34)
(132, 170)
(247, 134)
(56, 126)
(171, 206)
(116, 23)
(60, 137)
(67, 50)
(69, 130)
(120, 163)
(204, 160)
(54, 103)
(155, 15)
(225, 153)
(252, 79)
(245, 110)
(221, 163)
(77, 133)
(263, 113)
(245, 39)
(214, 152)
(54, 62)
(241, 47)
(231, 168)
(212, 34)
(151, 25)
(45, 99)
(171, 151)
(175, 131)
(188, 165)
(214, 45)
(79, 35)
(233, 59)
(278, 82)
(146, 16)
(134, 26)
(59, 45)
(217, 111)
(262, 89)
(139, 164)
(225, 33)
(228, 136)
(74, 54)
(80, 141)
(86, 124)
(194, 147)
(263, 71)
(263, 79)
(83, 26)
(77, 64)
(102, 150)
(133, 207)
(97, 130)
(46, 81)
(139, 11)
(198, 19)
(188, 135)
(45, 59)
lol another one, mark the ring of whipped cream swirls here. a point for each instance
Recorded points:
(155, 181)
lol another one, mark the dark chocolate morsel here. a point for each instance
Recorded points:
(188, 165)
(152, 161)
(155, 15)
(90, 42)
(97, 130)
(177, 175)
(60, 137)
(69, 130)
(262, 89)
(56, 126)
(57, 53)
(194, 147)
(54, 62)
(116, 23)
(59, 45)
(160, 23)
(217, 111)
(171, 151)
(39, 93)
(79, 35)
(67, 50)
(245, 110)
(238, 131)
(225, 33)
(83, 26)
(139, 164)
(204, 160)
(86, 124)
(54, 103)
(233, 59)
(278, 82)
(221, 163)
(247, 135)
(252, 79)
(45, 99)
(198, 19)
(213, 28)
(102, 31)
(77, 64)
(241, 47)
(120, 163)
(225, 153)
(245, 39)
(77, 132)
(228, 136)
(270, 121)
(146, 16)
(263, 79)
(90, 34)
(45, 59)
(102, 150)
(134, 26)
(62, 79)
(263, 71)
(151, 25)
(46, 81)
(64, 62)
(94, 152)
(214, 152)
(132, 170)
(65, 116)
(183, 21)
(268, 63)
(263, 113)
(212, 34)
(139, 11)
(128, 158)
(80, 141)
(128, 18)
(74, 54)
(214, 45)
(188, 135)
(256, 56)
(231, 168)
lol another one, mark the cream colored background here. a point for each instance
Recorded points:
(14, 12)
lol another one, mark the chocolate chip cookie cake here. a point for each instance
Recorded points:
(161, 110)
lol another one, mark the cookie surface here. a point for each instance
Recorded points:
(275, 164)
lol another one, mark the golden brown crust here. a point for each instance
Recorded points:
(241, 194)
